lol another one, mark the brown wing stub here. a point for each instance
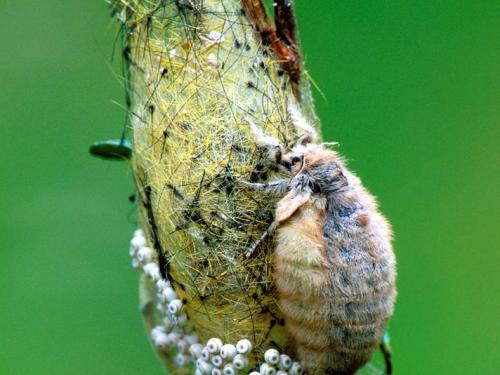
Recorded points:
(280, 36)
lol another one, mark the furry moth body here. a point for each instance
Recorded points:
(334, 266)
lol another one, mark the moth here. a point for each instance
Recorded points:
(334, 266)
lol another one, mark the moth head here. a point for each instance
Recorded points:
(321, 169)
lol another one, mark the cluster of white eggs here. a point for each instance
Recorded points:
(278, 364)
(176, 334)
(217, 358)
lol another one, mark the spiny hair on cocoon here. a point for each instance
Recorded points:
(198, 77)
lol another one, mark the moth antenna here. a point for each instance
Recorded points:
(302, 165)
(299, 121)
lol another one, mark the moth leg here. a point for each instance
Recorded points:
(270, 229)
(275, 150)
(385, 347)
(273, 189)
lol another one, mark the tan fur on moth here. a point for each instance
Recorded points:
(334, 266)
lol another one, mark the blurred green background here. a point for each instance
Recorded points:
(411, 92)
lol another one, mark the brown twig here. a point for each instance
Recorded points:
(281, 37)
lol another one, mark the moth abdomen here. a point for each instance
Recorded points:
(335, 281)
